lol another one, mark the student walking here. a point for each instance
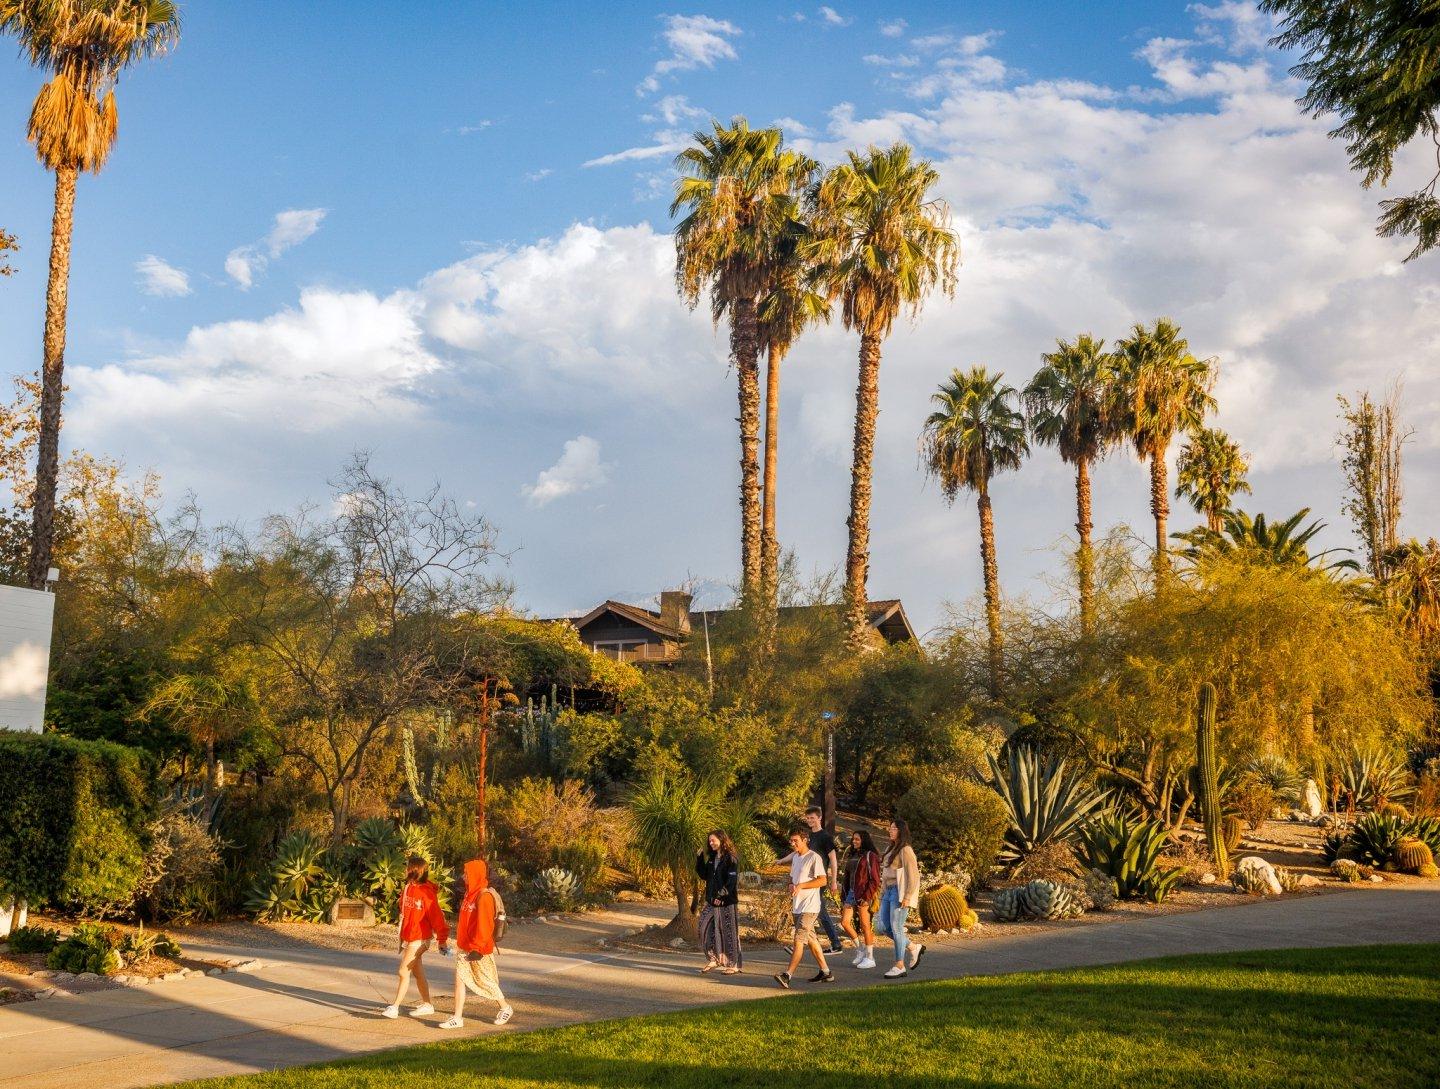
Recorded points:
(718, 865)
(807, 878)
(862, 886)
(823, 844)
(901, 875)
(421, 921)
(480, 918)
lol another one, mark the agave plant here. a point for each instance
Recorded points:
(1377, 837)
(1372, 776)
(298, 883)
(377, 834)
(1128, 851)
(1047, 804)
(558, 889)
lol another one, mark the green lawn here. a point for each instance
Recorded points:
(1360, 1016)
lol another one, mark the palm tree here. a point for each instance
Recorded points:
(1070, 402)
(84, 45)
(740, 191)
(1210, 472)
(1279, 544)
(976, 431)
(882, 242)
(786, 308)
(1164, 389)
(1414, 587)
(671, 816)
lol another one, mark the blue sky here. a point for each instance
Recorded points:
(435, 273)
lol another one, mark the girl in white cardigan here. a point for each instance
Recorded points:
(902, 892)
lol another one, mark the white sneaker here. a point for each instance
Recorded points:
(915, 952)
(506, 1012)
(859, 956)
(866, 962)
(422, 1009)
(390, 1011)
(895, 972)
(454, 1022)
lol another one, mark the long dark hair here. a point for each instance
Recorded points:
(727, 845)
(867, 841)
(900, 842)
(417, 871)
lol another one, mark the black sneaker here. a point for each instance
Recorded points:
(826, 976)
(835, 950)
(783, 978)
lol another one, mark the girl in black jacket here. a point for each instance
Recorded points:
(719, 867)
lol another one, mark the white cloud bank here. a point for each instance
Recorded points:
(157, 276)
(694, 41)
(291, 227)
(578, 470)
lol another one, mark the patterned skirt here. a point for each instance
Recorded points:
(480, 975)
(720, 934)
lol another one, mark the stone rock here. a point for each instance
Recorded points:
(48, 992)
(677, 943)
(213, 971)
(88, 977)
(602, 943)
(173, 977)
(1309, 880)
(1262, 869)
(120, 979)
(1376, 879)
(1312, 802)
(1207, 879)
(63, 977)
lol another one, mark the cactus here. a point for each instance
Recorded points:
(1412, 855)
(1234, 832)
(1049, 900)
(970, 920)
(1428, 871)
(942, 908)
(1349, 871)
(1006, 905)
(1207, 765)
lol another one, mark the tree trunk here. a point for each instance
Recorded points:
(1085, 558)
(52, 379)
(1160, 508)
(744, 348)
(992, 590)
(857, 555)
(686, 923)
(769, 540)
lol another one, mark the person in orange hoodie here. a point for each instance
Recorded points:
(481, 914)
(421, 921)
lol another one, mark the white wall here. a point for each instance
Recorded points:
(25, 622)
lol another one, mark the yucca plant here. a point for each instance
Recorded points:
(1128, 851)
(670, 817)
(1283, 780)
(1372, 776)
(1427, 831)
(1046, 802)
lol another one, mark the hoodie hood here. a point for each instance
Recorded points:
(477, 876)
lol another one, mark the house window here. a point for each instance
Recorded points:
(620, 650)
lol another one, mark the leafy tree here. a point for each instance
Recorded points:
(975, 432)
(1372, 440)
(1210, 472)
(882, 244)
(1070, 404)
(8, 245)
(1375, 64)
(1163, 390)
(83, 45)
(739, 188)
(1254, 540)
(1414, 587)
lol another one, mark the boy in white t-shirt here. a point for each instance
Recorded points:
(807, 878)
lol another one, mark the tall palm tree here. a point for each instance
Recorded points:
(1414, 587)
(1070, 402)
(882, 243)
(786, 308)
(976, 431)
(1280, 544)
(1163, 390)
(84, 45)
(740, 189)
(1210, 472)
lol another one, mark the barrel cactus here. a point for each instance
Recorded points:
(1234, 830)
(1007, 906)
(1413, 855)
(1044, 899)
(942, 908)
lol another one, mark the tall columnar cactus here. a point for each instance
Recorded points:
(1207, 764)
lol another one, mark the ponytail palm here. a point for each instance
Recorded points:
(83, 45)
(882, 244)
(1164, 390)
(1070, 402)
(739, 190)
(975, 432)
(670, 817)
(1210, 472)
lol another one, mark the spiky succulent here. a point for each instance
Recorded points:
(1046, 801)
(557, 888)
(1007, 906)
(1042, 899)
(1128, 851)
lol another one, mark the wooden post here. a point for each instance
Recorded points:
(827, 802)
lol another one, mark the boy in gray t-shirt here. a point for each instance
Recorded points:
(807, 878)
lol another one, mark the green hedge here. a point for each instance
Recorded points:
(72, 819)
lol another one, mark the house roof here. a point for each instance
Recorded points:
(886, 616)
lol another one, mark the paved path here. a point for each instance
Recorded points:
(316, 1004)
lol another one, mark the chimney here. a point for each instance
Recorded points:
(675, 609)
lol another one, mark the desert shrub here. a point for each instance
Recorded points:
(1254, 800)
(1045, 802)
(76, 813)
(954, 824)
(533, 820)
(136, 945)
(1376, 838)
(556, 889)
(33, 939)
(1282, 779)
(1370, 776)
(297, 884)
(182, 854)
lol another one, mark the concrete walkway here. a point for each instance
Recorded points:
(315, 1004)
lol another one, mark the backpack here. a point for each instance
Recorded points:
(500, 921)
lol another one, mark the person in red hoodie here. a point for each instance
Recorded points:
(421, 921)
(475, 929)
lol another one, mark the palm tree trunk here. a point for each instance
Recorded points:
(686, 921)
(857, 555)
(1085, 558)
(992, 590)
(1160, 508)
(769, 539)
(52, 379)
(744, 348)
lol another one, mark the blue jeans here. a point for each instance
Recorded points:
(827, 924)
(891, 921)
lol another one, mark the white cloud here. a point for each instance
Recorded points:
(1237, 24)
(900, 60)
(695, 41)
(478, 126)
(894, 28)
(291, 227)
(539, 175)
(830, 17)
(578, 470)
(159, 277)
(675, 110)
(636, 154)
